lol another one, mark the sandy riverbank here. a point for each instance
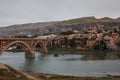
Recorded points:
(9, 73)
(44, 76)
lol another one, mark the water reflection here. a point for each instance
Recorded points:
(93, 55)
(101, 55)
(42, 56)
(112, 56)
(28, 65)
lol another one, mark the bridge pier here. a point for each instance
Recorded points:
(29, 54)
(44, 50)
(0, 52)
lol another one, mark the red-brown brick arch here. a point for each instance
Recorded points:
(20, 42)
(43, 46)
(49, 43)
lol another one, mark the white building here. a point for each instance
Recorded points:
(47, 36)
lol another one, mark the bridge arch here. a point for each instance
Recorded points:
(28, 53)
(49, 43)
(43, 46)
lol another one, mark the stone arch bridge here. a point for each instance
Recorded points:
(28, 43)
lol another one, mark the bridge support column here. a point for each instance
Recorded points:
(44, 50)
(29, 54)
(0, 52)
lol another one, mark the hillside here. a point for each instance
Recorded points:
(41, 28)
(22, 29)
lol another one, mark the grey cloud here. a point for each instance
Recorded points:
(25, 11)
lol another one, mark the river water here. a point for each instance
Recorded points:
(75, 63)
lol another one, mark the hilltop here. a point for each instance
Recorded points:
(41, 28)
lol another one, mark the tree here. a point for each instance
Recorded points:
(72, 42)
(67, 33)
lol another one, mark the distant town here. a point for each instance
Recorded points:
(89, 39)
(92, 38)
(86, 33)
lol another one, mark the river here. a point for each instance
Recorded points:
(75, 63)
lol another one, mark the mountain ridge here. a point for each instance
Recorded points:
(55, 26)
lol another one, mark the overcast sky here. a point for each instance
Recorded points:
(30, 11)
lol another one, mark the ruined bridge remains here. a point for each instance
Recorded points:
(28, 43)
